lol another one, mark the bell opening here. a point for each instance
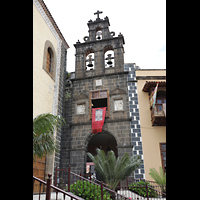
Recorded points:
(90, 61)
(99, 35)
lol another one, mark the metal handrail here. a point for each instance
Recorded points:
(71, 177)
(107, 189)
(48, 190)
(78, 177)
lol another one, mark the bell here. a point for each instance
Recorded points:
(90, 64)
(109, 59)
(98, 35)
(109, 62)
(90, 61)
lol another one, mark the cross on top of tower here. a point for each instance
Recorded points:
(97, 13)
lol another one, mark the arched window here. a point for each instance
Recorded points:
(109, 56)
(98, 33)
(89, 60)
(49, 59)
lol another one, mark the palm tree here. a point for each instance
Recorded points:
(43, 129)
(160, 179)
(112, 169)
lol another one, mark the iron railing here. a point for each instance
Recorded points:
(142, 191)
(64, 178)
(61, 177)
(129, 180)
(49, 189)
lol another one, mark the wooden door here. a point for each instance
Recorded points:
(48, 65)
(39, 172)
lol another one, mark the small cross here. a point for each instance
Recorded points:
(97, 13)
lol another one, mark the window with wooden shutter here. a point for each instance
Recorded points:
(49, 61)
(98, 99)
(163, 155)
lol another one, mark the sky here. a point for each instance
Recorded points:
(141, 22)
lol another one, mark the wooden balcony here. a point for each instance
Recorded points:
(158, 115)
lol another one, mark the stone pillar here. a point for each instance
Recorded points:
(123, 149)
(78, 160)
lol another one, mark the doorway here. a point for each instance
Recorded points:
(104, 141)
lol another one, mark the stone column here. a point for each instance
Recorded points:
(78, 160)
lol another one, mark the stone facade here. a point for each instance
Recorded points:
(61, 92)
(116, 133)
(77, 132)
(123, 129)
(136, 136)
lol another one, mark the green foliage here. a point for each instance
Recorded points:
(68, 75)
(160, 179)
(87, 190)
(112, 169)
(67, 92)
(67, 95)
(142, 191)
(43, 129)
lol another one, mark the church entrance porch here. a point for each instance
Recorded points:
(104, 141)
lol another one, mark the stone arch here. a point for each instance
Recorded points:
(88, 51)
(87, 138)
(48, 46)
(89, 135)
(107, 48)
(113, 134)
(98, 28)
(98, 33)
(109, 56)
(89, 59)
(103, 140)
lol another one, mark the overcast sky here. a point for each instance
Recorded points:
(142, 23)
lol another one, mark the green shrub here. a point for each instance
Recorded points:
(142, 190)
(160, 178)
(87, 190)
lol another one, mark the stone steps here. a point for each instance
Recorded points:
(135, 196)
(53, 196)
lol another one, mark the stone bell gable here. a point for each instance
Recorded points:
(99, 81)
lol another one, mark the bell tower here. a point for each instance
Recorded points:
(100, 81)
(101, 52)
